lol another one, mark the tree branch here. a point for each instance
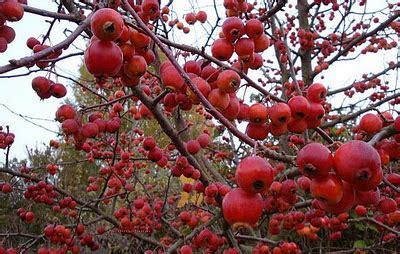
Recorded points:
(195, 90)
(50, 14)
(63, 192)
(376, 223)
(361, 111)
(358, 39)
(384, 133)
(15, 64)
(273, 10)
(257, 239)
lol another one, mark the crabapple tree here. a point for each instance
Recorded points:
(247, 140)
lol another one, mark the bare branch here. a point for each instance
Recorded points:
(45, 13)
(273, 10)
(15, 64)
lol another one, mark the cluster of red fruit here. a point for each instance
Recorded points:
(35, 45)
(299, 114)
(193, 146)
(389, 149)
(243, 206)
(221, 92)
(10, 10)
(67, 207)
(236, 7)
(218, 87)
(283, 247)
(7, 35)
(88, 240)
(52, 169)
(308, 224)
(72, 124)
(5, 187)
(41, 192)
(192, 219)
(307, 39)
(147, 10)
(206, 240)
(363, 86)
(117, 50)
(282, 195)
(190, 18)
(288, 222)
(378, 44)
(143, 216)
(395, 101)
(27, 216)
(370, 124)
(377, 96)
(200, 16)
(326, 48)
(54, 143)
(182, 167)
(154, 153)
(282, 50)
(59, 234)
(6, 139)
(205, 79)
(247, 48)
(355, 166)
(45, 88)
(212, 192)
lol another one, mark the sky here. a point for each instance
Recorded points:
(18, 95)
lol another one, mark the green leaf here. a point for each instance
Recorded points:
(186, 230)
(359, 244)
(372, 227)
(360, 226)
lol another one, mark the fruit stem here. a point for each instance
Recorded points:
(254, 153)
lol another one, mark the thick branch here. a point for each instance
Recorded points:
(391, 185)
(168, 129)
(51, 14)
(84, 109)
(361, 111)
(324, 135)
(305, 55)
(376, 223)
(257, 239)
(384, 133)
(273, 10)
(15, 64)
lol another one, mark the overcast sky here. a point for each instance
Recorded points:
(19, 97)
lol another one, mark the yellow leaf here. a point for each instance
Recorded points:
(185, 197)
